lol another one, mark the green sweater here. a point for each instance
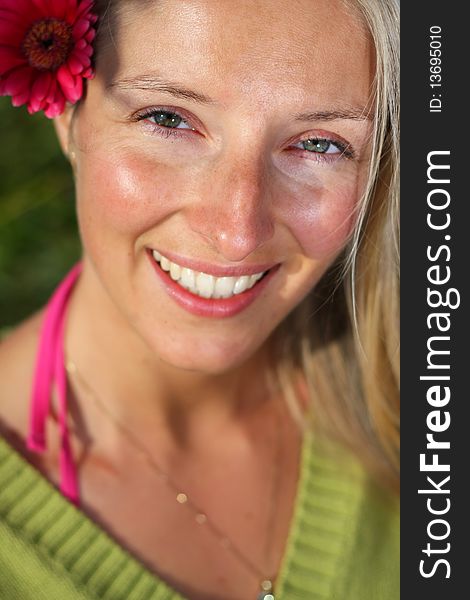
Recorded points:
(343, 542)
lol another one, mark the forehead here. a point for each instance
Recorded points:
(247, 48)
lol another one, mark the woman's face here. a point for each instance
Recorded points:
(231, 139)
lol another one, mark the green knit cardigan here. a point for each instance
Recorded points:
(342, 545)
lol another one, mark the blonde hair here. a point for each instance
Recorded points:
(342, 342)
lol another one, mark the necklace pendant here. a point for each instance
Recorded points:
(267, 591)
(266, 596)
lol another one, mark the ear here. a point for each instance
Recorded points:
(63, 125)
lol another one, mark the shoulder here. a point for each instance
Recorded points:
(372, 565)
(371, 553)
(362, 519)
(17, 361)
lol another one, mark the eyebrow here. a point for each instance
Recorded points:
(154, 83)
(354, 114)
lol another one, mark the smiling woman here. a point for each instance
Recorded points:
(214, 386)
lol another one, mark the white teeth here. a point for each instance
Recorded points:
(188, 279)
(165, 264)
(175, 271)
(224, 287)
(203, 284)
(241, 284)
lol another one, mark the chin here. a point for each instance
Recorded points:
(205, 356)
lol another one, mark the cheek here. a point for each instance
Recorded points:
(124, 194)
(322, 218)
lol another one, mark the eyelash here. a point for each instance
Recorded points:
(161, 130)
(345, 150)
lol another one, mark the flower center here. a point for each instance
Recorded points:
(47, 44)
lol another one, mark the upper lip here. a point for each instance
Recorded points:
(214, 269)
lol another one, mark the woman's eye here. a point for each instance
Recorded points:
(167, 119)
(321, 146)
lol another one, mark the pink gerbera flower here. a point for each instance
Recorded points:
(45, 52)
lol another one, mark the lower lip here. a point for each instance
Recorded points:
(211, 307)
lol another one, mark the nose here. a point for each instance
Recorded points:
(233, 210)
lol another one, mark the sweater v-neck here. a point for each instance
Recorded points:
(321, 531)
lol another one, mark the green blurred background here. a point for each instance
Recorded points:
(38, 232)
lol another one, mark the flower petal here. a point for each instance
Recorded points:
(73, 93)
(21, 7)
(88, 74)
(81, 57)
(64, 77)
(72, 11)
(11, 34)
(58, 8)
(90, 36)
(9, 59)
(84, 6)
(80, 28)
(56, 109)
(75, 66)
(52, 92)
(88, 50)
(20, 99)
(35, 104)
(40, 88)
(11, 17)
(24, 8)
(18, 81)
(42, 6)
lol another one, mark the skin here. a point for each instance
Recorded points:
(233, 187)
(268, 201)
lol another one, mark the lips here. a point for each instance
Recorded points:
(204, 284)
(212, 291)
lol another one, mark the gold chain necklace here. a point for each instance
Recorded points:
(266, 584)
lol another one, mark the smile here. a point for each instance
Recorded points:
(203, 284)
